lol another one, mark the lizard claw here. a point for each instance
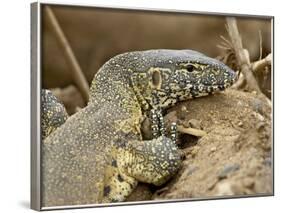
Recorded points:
(161, 122)
(158, 126)
(154, 123)
(173, 132)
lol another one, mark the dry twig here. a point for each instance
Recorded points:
(259, 65)
(240, 83)
(191, 131)
(241, 54)
(76, 72)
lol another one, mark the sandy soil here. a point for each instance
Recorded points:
(232, 159)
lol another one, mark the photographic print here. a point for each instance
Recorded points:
(143, 106)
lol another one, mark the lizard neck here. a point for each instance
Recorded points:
(112, 91)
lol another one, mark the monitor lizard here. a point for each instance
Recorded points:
(98, 155)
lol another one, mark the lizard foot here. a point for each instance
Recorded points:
(150, 161)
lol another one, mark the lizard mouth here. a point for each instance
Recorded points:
(217, 87)
(212, 86)
(204, 89)
(220, 85)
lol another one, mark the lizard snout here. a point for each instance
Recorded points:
(227, 77)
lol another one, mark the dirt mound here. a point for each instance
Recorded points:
(233, 158)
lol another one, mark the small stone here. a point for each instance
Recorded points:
(227, 170)
(185, 124)
(260, 126)
(225, 188)
(240, 103)
(260, 117)
(240, 124)
(182, 113)
(249, 183)
(183, 109)
(213, 149)
(193, 123)
(191, 170)
(257, 105)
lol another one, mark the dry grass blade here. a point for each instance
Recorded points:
(76, 71)
(226, 41)
(223, 47)
(260, 37)
(225, 44)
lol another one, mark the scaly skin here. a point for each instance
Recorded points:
(53, 113)
(98, 155)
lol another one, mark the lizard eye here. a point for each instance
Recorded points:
(190, 67)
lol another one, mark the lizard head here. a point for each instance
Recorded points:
(178, 75)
